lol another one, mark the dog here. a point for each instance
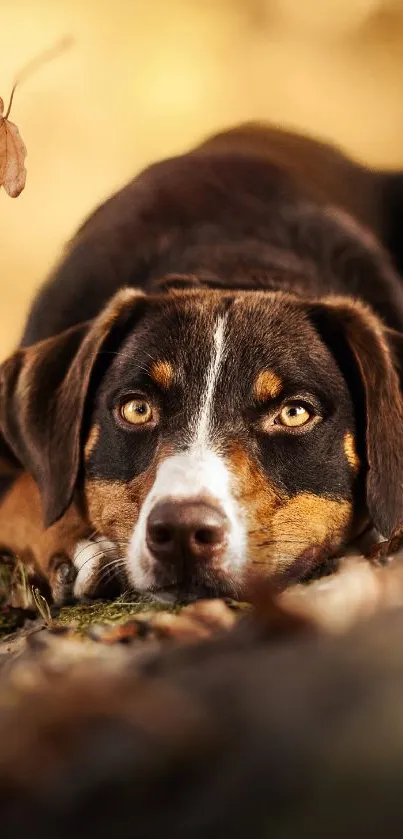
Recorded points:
(208, 386)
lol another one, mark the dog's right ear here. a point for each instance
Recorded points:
(370, 357)
(43, 390)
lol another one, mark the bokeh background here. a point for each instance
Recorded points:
(149, 78)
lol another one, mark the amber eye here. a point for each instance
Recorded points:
(293, 416)
(136, 411)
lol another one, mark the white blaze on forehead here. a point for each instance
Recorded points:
(190, 474)
(203, 421)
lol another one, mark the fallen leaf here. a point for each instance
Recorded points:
(12, 156)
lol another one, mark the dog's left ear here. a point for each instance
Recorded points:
(43, 389)
(368, 356)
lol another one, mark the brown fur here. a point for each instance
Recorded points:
(163, 374)
(267, 386)
(113, 507)
(331, 177)
(38, 369)
(355, 324)
(279, 528)
(92, 440)
(351, 452)
(257, 496)
(22, 531)
(312, 527)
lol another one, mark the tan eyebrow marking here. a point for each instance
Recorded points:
(268, 385)
(350, 451)
(92, 440)
(163, 374)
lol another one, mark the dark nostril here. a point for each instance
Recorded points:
(209, 535)
(160, 534)
(186, 528)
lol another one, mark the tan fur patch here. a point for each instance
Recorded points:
(163, 374)
(267, 386)
(350, 451)
(255, 494)
(22, 531)
(279, 529)
(308, 521)
(113, 506)
(92, 440)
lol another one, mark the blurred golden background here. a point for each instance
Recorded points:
(149, 78)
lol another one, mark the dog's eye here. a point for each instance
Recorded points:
(293, 416)
(136, 411)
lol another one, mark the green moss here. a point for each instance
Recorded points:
(15, 589)
(10, 619)
(82, 615)
(6, 574)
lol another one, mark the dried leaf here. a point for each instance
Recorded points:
(42, 605)
(12, 148)
(12, 156)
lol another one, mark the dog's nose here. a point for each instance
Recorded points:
(186, 529)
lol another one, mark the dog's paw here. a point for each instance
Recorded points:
(61, 575)
(97, 562)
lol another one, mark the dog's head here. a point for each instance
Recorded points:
(213, 433)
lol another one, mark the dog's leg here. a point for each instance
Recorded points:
(55, 554)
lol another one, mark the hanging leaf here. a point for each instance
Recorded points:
(12, 148)
(12, 156)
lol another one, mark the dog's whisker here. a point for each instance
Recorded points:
(122, 354)
(87, 544)
(106, 571)
(122, 543)
(114, 563)
(88, 547)
(97, 556)
(129, 591)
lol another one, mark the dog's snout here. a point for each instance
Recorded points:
(186, 529)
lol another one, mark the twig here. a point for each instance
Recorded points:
(31, 67)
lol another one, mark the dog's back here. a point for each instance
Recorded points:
(234, 211)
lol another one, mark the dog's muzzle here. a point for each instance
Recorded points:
(190, 530)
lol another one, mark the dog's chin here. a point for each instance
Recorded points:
(180, 595)
(189, 591)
